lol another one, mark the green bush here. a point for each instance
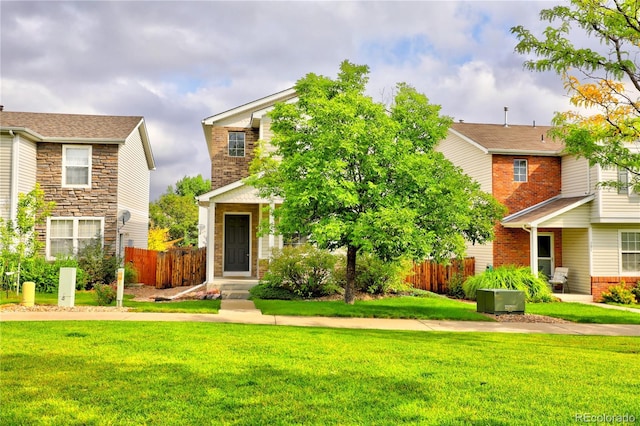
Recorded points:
(98, 265)
(374, 275)
(130, 274)
(636, 292)
(510, 277)
(105, 294)
(619, 294)
(46, 275)
(454, 288)
(266, 291)
(303, 270)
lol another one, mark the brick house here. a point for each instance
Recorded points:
(232, 211)
(95, 168)
(557, 213)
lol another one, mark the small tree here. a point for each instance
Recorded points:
(19, 238)
(356, 175)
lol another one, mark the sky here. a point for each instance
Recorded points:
(177, 63)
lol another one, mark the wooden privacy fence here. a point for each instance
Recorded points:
(435, 277)
(174, 268)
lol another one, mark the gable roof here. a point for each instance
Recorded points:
(512, 139)
(51, 127)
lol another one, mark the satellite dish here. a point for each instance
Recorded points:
(124, 216)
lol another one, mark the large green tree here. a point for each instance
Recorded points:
(602, 78)
(355, 174)
(177, 210)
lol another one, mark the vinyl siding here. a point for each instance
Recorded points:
(266, 134)
(28, 166)
(473, 162)
(575, 177)
(133, 191)
(606, 249)
(577, 218)
(483, 255)
(614, 207)
(575, 256)
(5, 176)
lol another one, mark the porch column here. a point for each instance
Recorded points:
(533, 245)
(211, 242)
(272, 237)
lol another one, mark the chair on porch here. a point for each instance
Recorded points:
(560, 278)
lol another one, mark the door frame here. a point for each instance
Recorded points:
(551, 236)
(224, 242)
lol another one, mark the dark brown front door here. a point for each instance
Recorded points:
(236, 243)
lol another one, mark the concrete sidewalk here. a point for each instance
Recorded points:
(244, 312)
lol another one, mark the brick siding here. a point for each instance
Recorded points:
(225, 169)
(602, 284)
(99, 201)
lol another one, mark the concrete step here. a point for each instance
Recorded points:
(235, 294)
(235, 286)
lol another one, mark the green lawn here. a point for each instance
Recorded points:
(578, 312)
(433, 308)
(88, 298)
(128, 373)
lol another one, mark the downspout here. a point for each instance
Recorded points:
(15, 167)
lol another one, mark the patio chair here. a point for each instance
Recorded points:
(560, 278)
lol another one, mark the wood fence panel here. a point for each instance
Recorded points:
(174, 268)
(144, 262)
(435, 277)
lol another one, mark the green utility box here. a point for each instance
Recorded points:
(500, 301)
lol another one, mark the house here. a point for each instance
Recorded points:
(557, 213)
(232, 211)
(95, 168)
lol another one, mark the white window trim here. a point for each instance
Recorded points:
(64, 166)
(75, 220)
(621, 272)
(526, 168)
(244, 148)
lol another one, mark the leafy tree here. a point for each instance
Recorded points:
(357, 176)
(604, 78)
(177, 210)
(158, 239)
(19, 237)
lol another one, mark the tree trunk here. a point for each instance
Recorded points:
(349, 292)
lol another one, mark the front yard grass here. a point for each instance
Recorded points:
(132, 373)
(582, 313)
(88, 298)
(428, 308)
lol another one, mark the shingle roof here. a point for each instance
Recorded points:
(498, 138)
(73, 126)
(545, 210)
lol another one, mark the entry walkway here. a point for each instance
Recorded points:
(244, 312)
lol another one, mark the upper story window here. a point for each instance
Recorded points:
(630, 251)
(623, 181)
(236, 144)
(76, 166)
(65, 236)
(519, 170)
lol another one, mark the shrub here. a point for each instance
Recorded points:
(130, 274)
(266, 291)
(454, 288)
(510, 277)
(99, 266)
(374, 275)
(303, 270)
(636, 292)
(46, 275)
(618, 294)
(105, 294)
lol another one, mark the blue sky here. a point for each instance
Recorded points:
(176, 63)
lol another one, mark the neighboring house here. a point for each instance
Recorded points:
(558, 215)
(232, 211)
(95, 168)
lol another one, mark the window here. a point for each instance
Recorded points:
(76, 166)
(236, 144)
(630, 251)
(623, 181)
(68, 235)
(519, 170)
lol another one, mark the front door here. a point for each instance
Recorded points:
(236, 243)
(545, 254)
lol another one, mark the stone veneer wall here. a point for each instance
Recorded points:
(602, 284)
(511, 246)
(225, 169)
(99, 201)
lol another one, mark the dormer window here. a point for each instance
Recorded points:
(76, 166)
(519, 170)
(236, 144)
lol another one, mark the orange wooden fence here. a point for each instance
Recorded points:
(174, 268)
(435, 277)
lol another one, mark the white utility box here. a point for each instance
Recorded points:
(67, 287)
